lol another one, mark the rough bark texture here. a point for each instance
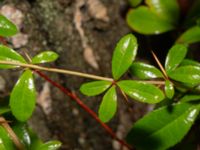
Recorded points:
(50, 25)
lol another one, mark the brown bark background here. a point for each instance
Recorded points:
(52, 25)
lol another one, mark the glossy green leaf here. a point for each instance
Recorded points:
(164, 127)
(108, 105)
(22, 133)
(124, 54)
(167, 10)
(144, 21)
(145, 71)
(190, 36)
(51, 145)
(5, 140)
(174, 57)
(134, 3)
(95, 87)
(189, 62)
(141, 91)
(23, 97)
(44, 57)
(8, 54)
(190, 97)
(7, 28)
(186, 74)
(169, 89)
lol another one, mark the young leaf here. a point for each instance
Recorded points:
(145, 71)
(190, 36)
(5, 140)
(144, 21)
(44, 57)
(169, 89)
(7, 28)
(167, 10)
(51, 145)
(8, 54)
(174, 57)
(189, 62)
(108, 106)
(186, 74)
(141, 91)
(23, 96)
(164, 127)
(124, 55)
(95, 87)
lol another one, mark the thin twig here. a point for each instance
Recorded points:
(85, 107)
(12, 134)
(160, 65)
(63, 71)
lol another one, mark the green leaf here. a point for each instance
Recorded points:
(95, 87)
(141, 91)
(44, 57)
(169, 89)
(5, 140)
(23, 97)
(145, 71)
(134, 3)
(108, 106)
(4, 109)
(51, 145)
(124, 54)
(164, 127)
(190, 97)
(189, 62)
(8, 54)
(186, 74)
(190, 36)
(7, 28)
(175, 56)
(144, 21)
(167, 10)
(22, 133)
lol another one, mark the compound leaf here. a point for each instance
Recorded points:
(44, 57)
(7, 28)
(175, 56)
(141, 91)
(108, 105)
(124, 54)
(23, 96)
(145, 71)
(164, 127)
(95, 87)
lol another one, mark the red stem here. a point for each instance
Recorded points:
(85, 107)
